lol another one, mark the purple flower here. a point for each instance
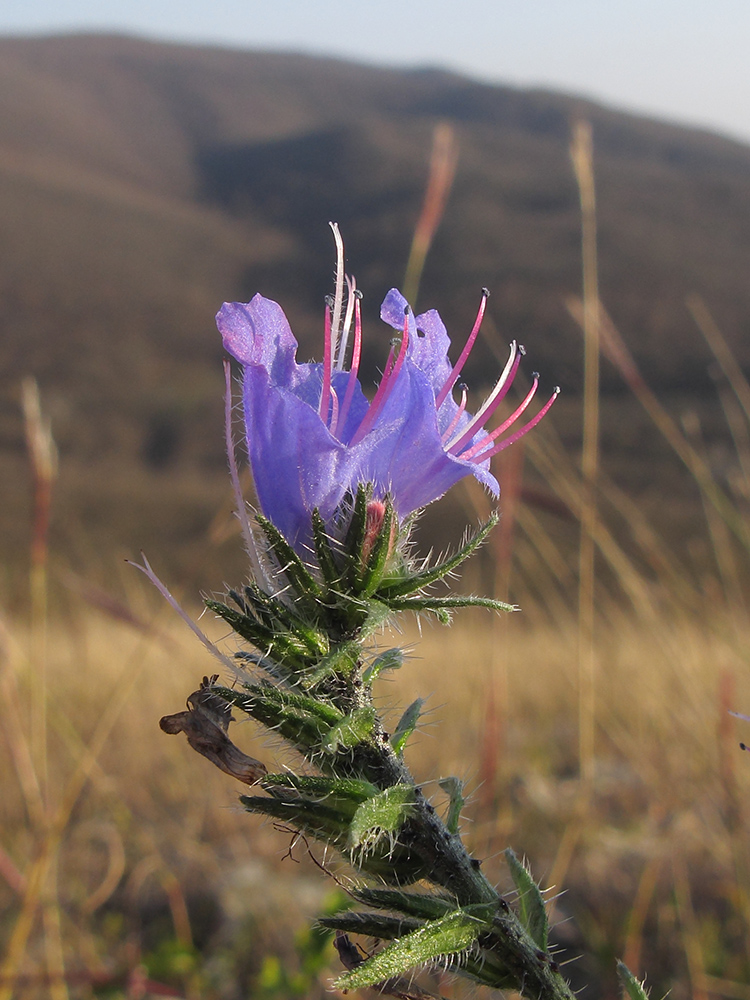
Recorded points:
(312, 435)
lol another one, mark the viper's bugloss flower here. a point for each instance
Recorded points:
(313, 437)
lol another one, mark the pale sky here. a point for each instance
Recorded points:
(681, 60)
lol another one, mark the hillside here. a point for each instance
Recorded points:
(142, 184)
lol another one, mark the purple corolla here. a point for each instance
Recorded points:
(313, 437)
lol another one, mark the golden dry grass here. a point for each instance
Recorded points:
(152, 856)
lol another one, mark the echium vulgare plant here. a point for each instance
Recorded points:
(339, 479)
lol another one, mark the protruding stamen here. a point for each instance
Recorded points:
(338, 300)
(354, 369)
(325, 392)
(453, 377)
(494, 399)
(461, 407)
(392, 369)
(485, 442)
(519, 433)
(351, 288)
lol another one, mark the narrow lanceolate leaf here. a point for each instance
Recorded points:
(300, 719)
(531, 909)
(406, 726)
(350, 731)
(323, 550)
(437, 604)
(376, 925)
(355, 536)
(278, 645)
(452, 933)
(343, 795)
(423, 905)
(311, 818)
(383, 813)
(298, 575)
(455, 789)
(632, 988)
(419, 581)
(391, 659)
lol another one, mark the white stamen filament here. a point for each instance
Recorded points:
(338, 300)
(351, 288)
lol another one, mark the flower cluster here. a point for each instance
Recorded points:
(313, 437)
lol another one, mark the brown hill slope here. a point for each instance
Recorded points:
(141, 184)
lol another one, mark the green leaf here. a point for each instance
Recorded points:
(343, 795)
(532, 911)
(341, 660)
(376, 925)
(355, 535)
(452, 933)
(391, 659)
(302, 720)
(455, 789)
(290, 564)
(323, 550)
(350, 731)
(447, 603)
(419, 581)
(633, 989)
(406, 726)
(416, 904)
(383, 813)
(320, 822)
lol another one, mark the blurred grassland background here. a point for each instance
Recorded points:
(142, 185)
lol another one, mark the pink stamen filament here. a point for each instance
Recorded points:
(353, 371)
(494, 399)
(461, 407)
(392, 369)
(453, 377)
(481, 445)
(519, 433)
(325, 393)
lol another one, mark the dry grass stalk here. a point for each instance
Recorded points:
(443, 162)
(581, 152)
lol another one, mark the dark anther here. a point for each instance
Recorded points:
(486, 292)
(406, 310)
(463, 387)
(329, 301)
(521, 350)
(535, 375)
(358, 294)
